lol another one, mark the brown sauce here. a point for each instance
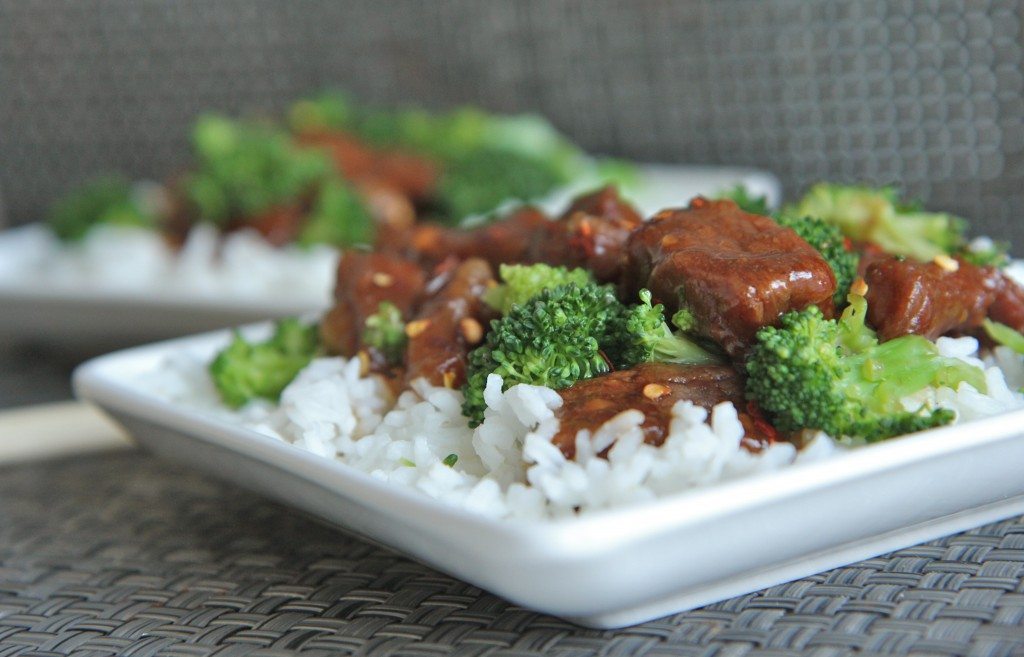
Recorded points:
(651, 388)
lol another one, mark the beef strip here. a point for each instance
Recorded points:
(592, 233)
(906, 297)
(605, 203)
(506, 241)
(1008, 306)
(408, 173)
(449, 325)
(278, 225)
(738, 272)
(392, 212)
(653, 389)
(364, 281)
(868, 254)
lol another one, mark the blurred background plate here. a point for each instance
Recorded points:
(90, 319)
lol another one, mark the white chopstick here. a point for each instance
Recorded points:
(50, 430)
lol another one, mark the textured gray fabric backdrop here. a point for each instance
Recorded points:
(923, 92)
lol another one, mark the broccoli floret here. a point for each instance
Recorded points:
(614, 171)
(385, 332)
(815, 373)
(878, 216)
(984, 252)
(479, 181)
(747, 201)
(106, 200)
(485, 159)
(338, 217)
(458, 134)
(331, 110)
(827, 240)
(523, 282)
(1004, 335)
(245, 168)
(245, 370)
(641, 336)
(569, 333)
(685, 320)
(553, 340)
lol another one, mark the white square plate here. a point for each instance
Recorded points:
(617, 567)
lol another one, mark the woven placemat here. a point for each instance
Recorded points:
(925, 93)
(122, 554)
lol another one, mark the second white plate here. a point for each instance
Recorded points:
(81, 315)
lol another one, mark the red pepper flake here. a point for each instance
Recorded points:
(582, 239)
(761, 424)
(446, 266)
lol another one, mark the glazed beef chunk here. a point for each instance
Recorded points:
(652, 388)
(592, 233)
(910, 297)
(414, 176)
(508, 240)
(738, 272)
(449, 325)
(364, 281)
(1008, 307)
(278, 225)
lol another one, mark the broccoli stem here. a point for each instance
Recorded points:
(1004, 335)
(670, 347)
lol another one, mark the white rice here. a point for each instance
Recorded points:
(120, 260)
(508, 467)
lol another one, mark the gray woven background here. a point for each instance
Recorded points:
(927, 93)
(120, 554)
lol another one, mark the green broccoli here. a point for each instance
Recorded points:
(523, 282)
(481, 180)
(457, 134)
(485, 159)
(554, 340)
(877, 216)
(990, 254)
(245, 370)
(338, 217)
(331, 110)
(245, 168)
(1004, 335)
(107, 200)
(747, 201)
(827, 240)
(570, 333)
(684, 319)
(385, 333)
(615, 171)
(644, 336)
(815, 373)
